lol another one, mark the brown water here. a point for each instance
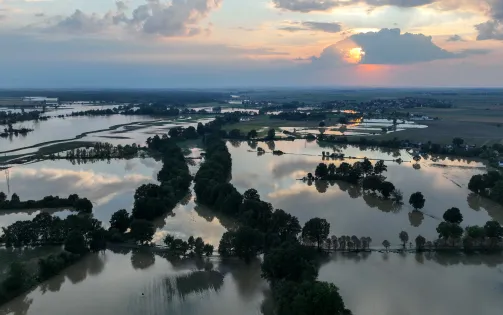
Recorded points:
(371, 283)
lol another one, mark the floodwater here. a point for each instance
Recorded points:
(370, 283)
(349, 210)
(109, 185)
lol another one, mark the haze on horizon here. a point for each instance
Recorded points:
(236, 43)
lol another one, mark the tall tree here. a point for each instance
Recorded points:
(142, 231)
(380, 167)
(453, 215)
(76, 243)
(420, 242)
(120, 220)
(417, 200)
(316, 230)
(386, 244)
(404, 237)
(291, 262)
(321, 170)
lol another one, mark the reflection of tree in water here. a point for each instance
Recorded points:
(246, 276)
(118, 249)
(18, 306)
(53, 285)
(194, 282)
(416, 166)
(416, 218)
(96, 264)
(142, 259)
(160, 222)
(339, 256)
(235, 143)
(271, 145)
(209, 215)
(494, 210)
(252, 144)
(185, 200)
(77, 273)
(321, 186)
(267, 305)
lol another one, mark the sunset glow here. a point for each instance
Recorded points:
(355, 55)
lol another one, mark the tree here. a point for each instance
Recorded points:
(321, 170)
(477, 184)
(371, 183)
(98, 240)
(316, 230)
(386, 189)
(120, 220)
(200, 129)
(142, 231)
(208, 249)
(191, 242)
(252, 134)
(308, 298)
(83, 205)
(322, 124)
(448, 230)
(291, 262)
(475, 232)
(380, 167)
(168, 239)
(179, 247)
(3, 197)
(404, 237)
(494, 231)
(332, 169)
(285, 225)
(271, 133)
(199, 246)
(15, 198)
(417, 200)
(497, 192)
(420, 242)
(386, 244)
(457, 142)
(76, 243)
(453, 215)
(367, 167)
(251, 194)
(245, 243)
(17, 277)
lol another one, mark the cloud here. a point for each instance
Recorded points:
(326, 5)
(455, 38)
(327, 27)
(387, 47)
(493, 28)
(155, 17)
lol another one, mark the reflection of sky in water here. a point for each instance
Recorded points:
(113, 284)
(345, 207)
(411, 284)
(110, 186)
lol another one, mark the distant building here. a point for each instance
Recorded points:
(41, 100)
(500, 163)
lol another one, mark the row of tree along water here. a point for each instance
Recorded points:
(488, 185)
(73, 202)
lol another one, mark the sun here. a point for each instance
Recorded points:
(355, 55)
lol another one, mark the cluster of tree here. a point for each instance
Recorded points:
(9, 118)
(98, 112)
(287, 264)
(13, 131)
(100, 150)
(73, 201)
(488, 185)
(152, 200)
(349, 243)
(191, 247)
(181, 133)
(45, 229)
(156, 109)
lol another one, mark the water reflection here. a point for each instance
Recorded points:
(416, 218)
(142, 258)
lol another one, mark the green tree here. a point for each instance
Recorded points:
(199, 246)
(322, 124)
(308, 298)
(83, 205)
(417, 200)
(321, 170)
(494, 231)
(252, 134)
(168, 239)
(367, 167)
(497, 192)
(251, 194)
(477, 184)
(3, 197)
(453, 215)
(332, 169)
(386, 188)
(404, 237)
(475, 232)
(15, 198)
(291, 262)
(208, 249)
(316, 230)
(17, 277)
(142, 231)
(420, 242)
(76, 243)
(380, 167)
(285, 225)
(98, 240)
(271, 133)
(179, 247)
(448, 230)
(245, 243)
(120, 220)
(191, 241)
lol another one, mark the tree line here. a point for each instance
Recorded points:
(289, 265)
(7, 117)
(488, 185)
(73, 201)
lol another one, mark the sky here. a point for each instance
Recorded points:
(250, 43)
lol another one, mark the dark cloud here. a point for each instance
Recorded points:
(492, 29)
(328, 27)
(455, 38)
(325, 5)
(156, 17)
(389, 46)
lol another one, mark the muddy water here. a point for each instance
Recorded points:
(113, 283)
(371, 283)
(349, 210)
